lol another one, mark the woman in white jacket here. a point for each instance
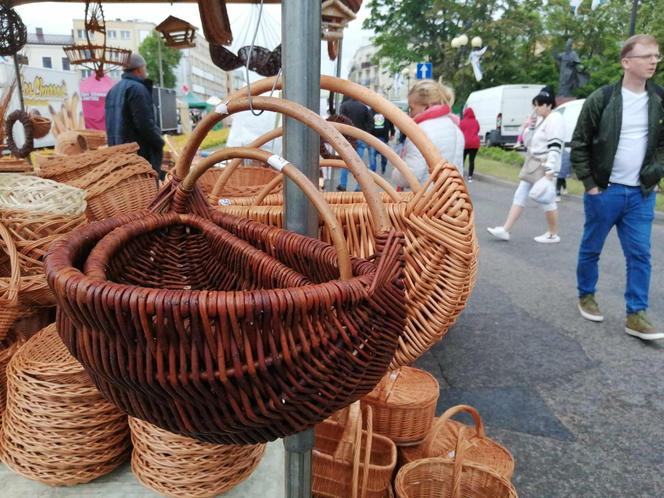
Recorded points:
(429, 105)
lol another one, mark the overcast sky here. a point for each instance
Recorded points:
(55, 18)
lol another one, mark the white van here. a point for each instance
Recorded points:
(570, 112)
(501, 110)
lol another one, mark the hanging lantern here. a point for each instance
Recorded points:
(177, 33)
(335, 16)
(13, 33)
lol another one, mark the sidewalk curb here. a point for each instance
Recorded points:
(659, 215)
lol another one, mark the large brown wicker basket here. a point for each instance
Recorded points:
(10, 282)
(437, 222)
(404, 404)
(445, 435)
(179, 466)
(57, 428)
(244, 352)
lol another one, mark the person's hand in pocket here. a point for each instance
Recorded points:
(593, 191)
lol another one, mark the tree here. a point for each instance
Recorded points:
(170, 58)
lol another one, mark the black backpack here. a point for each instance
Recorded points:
(607, 90)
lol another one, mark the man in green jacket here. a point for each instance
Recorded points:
(618, 154)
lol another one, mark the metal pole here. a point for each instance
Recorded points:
(632, 19)
(19, 85)
(300, 60)
(161, 67)
(335, 172)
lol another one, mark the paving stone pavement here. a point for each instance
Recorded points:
(580, 405)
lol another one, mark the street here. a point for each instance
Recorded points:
(580, 405)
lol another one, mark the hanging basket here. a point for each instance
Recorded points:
(57, 429)
(445, 435)
(258, 344)
(404, 404)
(13, 33)
(41, 126)
(179, 466)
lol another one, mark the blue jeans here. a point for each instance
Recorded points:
(359, 148)
(372, 157)
(632, 213)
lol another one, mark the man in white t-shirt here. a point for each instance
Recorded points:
(618, 154)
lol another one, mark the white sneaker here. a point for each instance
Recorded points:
(557, 198)
(547, 238)
(470, 179)
(499, 233)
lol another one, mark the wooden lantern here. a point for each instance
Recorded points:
(177, 33)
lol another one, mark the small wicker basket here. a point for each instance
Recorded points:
(404, 404)
(40, 126)
(179, 466)
(445, 435)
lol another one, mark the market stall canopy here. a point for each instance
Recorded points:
(194, 101)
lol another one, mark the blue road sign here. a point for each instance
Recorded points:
(424, 70)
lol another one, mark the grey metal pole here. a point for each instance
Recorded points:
(300, 60)
(161, 67)
(632, 19)
(335, 174)
(19, 85)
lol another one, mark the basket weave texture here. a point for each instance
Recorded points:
(57, 428)
(10, 281)
(64, 169)
(124, 183)
(94, 138)
(40, 126)
(445, 478)
(71, 143)
(254, 335)
(446, 434)
(404, 404)
(349, 461)
(6, 353)
(179, 466)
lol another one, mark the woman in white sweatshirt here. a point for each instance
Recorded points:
(545, 143)
(429, 105)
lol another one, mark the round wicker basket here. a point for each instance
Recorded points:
(57, 428)
(179, 466)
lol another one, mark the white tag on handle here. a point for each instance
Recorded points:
(277, 162)
(222, 108)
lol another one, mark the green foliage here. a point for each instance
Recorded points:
(170, 58)
(510, 157)
(523, 37)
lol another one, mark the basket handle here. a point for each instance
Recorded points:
(14, 283)
(444, 418)
(357, 454)
(459, 455)
(331, 163)
(312, 120)
(280, 164)
(346, 130)
(352, 417)
(387, 383)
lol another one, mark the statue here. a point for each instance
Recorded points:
(572, 75)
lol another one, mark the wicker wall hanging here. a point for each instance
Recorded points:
(262, 60)
(216, 25)
(13, 33)
(29, 143)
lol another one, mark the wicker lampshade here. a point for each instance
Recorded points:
(13, 33)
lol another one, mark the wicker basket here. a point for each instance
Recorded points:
(351, 462)
(437, 221)
(93, 138)
(65, 169)
(179, 466)
(333, 337)
(71, 143)
(40, 126)
(14, 165)
(445, 478)
(29, 193)
(57, 429)
(6, 353)
(445, 435)
(404, 404)
(10, 281)
(125, 183)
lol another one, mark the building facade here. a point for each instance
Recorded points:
(365, 70)
(43, 50)
(198, 74)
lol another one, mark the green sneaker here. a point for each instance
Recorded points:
(638, 325)
(589, 309)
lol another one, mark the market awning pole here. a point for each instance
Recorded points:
(300, 42)
(337, 73)
(19, 85)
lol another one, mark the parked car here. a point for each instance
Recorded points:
(501, 110)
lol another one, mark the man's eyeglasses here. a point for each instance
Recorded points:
(646, 57)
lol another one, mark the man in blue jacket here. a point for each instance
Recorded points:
(130, 113)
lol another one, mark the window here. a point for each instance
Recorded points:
(46, 62)
(112, 34)
(65, 64)
(80, 33)
(125, 35)
(143, 34)
(85, 73)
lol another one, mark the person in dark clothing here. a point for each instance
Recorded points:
(130, 113)
(383, 130)
(470, 129)
(360, 115)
